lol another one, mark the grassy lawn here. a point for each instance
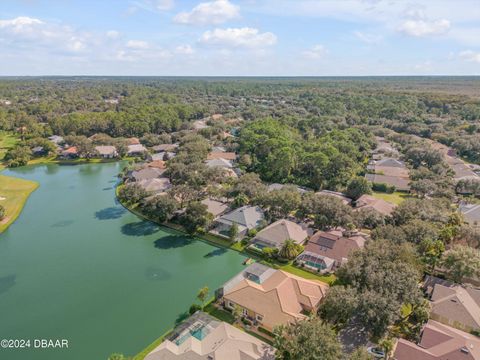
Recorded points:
(395, 198)
(221, 315)
(7, 141)
(16, 192)
(329, 279)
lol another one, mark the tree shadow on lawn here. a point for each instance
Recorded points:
(110, 213)
(172, 242)
(139, 228)
(216, 252)
(7, 282)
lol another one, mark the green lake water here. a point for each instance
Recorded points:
(76, 265)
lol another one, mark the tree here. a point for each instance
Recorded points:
(461, 262)
(385, 276)
(202, 295)
(308, 339)
(327, 211)
(290, 249)
(117, 356)
(387, 346)
(3, 212)
(361, 354)
(132, 193)
(233, 231)
(237, 312)
(18, 156)
(161, 207)
(196, 217)
(248, 185)
(368, 218)
(358, 187)
(431, 251)
(280, 203)
(339, 305)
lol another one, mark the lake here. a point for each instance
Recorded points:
(76, 265)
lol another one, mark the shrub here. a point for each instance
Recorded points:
(194, 308)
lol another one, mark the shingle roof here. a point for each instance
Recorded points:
(457, 304)
(379, 205)
(155, 185)
(336, 194)
(136, 148)
(439, 342)
(400, 183)
(332, 244)
(275, 234)
(106, 150)
(164, 147)
(221, 155)
(248, 216)
(147, 173)
(215, 207)
(471, 212)
(219, 162)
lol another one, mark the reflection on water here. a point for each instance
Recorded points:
(110, 213)
(6, 283)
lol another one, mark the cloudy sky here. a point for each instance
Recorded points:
(240, 37)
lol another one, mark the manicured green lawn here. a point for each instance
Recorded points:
(395, 198)
(329, 279)
(7, 141)
(16, 192)
(222, 315)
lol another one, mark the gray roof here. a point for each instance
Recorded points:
(155, 185)
(219, 163)
(471, 213)
(106, 150)
(147, 173)
(399, 182)
(275, 235)
(390, 162)
(255, 272)
(247, 216)
(136, 148)
(164, 147)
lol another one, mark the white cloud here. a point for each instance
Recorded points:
(368, 38)
(470, 55)
(238, 37)
(421, 28)
(20, 23)
(316, 52)
(137, 44)
(214, 12)
(113, 34)
(164, 5)
(184, 50)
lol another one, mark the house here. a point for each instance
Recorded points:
(145, 173)
(199, 124)
(276, 186)
(439, 342)
(164, 147)
(270, 298)
(400, 183)
(471, 213)
(369, 202)
(106, 152)
(158, 164)
(222, 163)
(57, 140)
(222, 155)
(456, 305)
(203, 337)
(136, 149)
(328, 250)
(133, 141)
(275, 235)
(38, 151)
(155, 185)
(219, 149)
(346, 200)
(216, 117)
(70, 153)
(246, 218)
(214, 207)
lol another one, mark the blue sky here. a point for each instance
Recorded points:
(240, 37)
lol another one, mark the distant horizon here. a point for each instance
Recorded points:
(244, 76)
(240, 38)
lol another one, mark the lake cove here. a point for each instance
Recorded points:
(77, 266)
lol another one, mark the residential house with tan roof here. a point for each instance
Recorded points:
(106, 151)
(221, 163)
(201, 337)
(221, 155)
(456, 305)
(439, 342)
(383, 207)
(133, 141)
(215, 207)
(270, 298)
(328, 250)
(164, 147)
(158, 164)
(400, 183)
(275, 234)
(136, 149)
(145, 173)
(390, 171)
(156, 185)
(471, 213)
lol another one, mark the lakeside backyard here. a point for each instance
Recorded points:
(52, 257)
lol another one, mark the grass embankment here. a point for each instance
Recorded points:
(7, 141)
(395, 198)
(15, 193)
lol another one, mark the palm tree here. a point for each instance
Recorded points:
(289, 250)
